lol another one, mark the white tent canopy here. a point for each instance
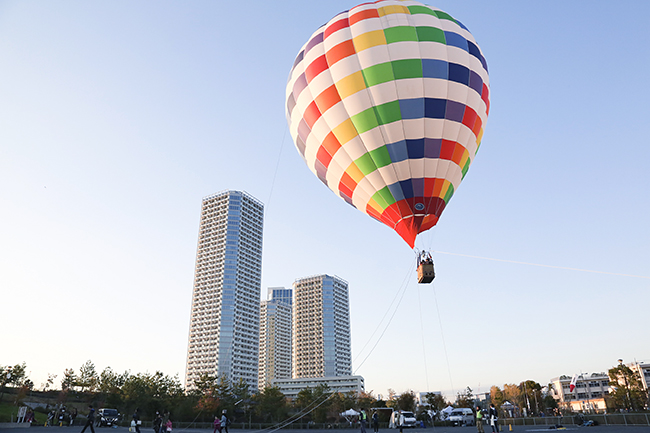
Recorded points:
(444, 414)
(349, 412)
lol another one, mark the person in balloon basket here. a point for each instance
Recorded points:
(91, 419)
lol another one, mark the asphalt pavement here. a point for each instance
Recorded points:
(515, 429)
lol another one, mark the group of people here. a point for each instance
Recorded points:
(162, 423)
(221, 424)
(60, 416)
(363, 420)
(492, 419)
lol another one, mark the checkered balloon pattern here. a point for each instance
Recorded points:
(387, 103)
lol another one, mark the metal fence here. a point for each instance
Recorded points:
(638, 419)
(631, 419)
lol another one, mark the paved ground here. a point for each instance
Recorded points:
(516, 429)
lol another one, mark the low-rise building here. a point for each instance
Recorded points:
(643, 369)
(588, 395)
(291, 387)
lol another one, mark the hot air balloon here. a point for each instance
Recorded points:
(387, 103)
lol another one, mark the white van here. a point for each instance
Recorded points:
(462, 416)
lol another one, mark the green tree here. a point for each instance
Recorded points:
(496, 396)
(313, 403)
(405, 401)
(204, 382)
(513, 394)
(436, 401)
(111, 382)
(392, 399)
(303, 403)
(11, 375)
(241, 395)
(549, 403)
(49, 382)
(223, 392)
(69, 380)
(365, 400)
(241, 390)
(322, 394)
(348, 401)
(628, 389)
(110, 387)
(88, 378)
(466, 399)
(271, 405)
(151, 393)
(206, 389)
(335, 406)
(531, 396)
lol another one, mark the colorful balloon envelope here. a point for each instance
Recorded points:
(387, 103)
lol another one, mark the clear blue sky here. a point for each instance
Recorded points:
(117, 117)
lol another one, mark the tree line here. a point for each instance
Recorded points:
(211, 395)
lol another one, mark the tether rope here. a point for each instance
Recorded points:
(543, 266)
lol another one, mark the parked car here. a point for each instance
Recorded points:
(409, 418)
(462, 416)
(107, 417)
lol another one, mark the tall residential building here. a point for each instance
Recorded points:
(321, 328)
(225, 320)
(275, 336)
(281, 294)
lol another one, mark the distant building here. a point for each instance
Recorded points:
(321, 328)
(421, 397)
(588, 395)
(643, 369)
(275, 336)
(225, 315)
(291, 387)
(281, 294)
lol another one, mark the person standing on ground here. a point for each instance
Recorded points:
(493, 418)
(216, 424)
(363, 419)
(157, 422)
(136, 420)
(91, 419)
(61, 416)
(398, 420)
(375, 421)
(168, 426)
(479, 420)
(224, 421)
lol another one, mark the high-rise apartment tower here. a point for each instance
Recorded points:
(225, 320)
(321, 327)
(275, 336)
